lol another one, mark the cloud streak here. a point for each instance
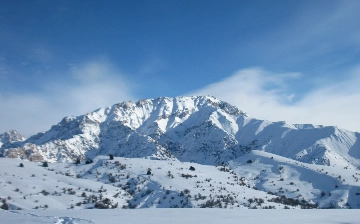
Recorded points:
(316, 36)
(92, 85)
(267, 95)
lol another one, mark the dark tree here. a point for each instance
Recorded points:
(45, 164)
(77, 162)
(249, 161)
(21, 165)
(88, 161)
(192, 168)
(111, 156)
(148, 171)
(4, 206)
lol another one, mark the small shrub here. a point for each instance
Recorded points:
(106, 203)
(44, 192)
(187, 175)
(112, 179)
(4, 206)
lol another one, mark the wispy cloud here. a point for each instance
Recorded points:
(317, 35)
(266, 95)
(152, 65)
(92, 85)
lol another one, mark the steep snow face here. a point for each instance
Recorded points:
(198, 129)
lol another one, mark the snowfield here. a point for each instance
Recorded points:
(256, 180)
(180, 216)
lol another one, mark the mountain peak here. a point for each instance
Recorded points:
(10, 137)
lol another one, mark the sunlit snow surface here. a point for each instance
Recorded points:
(181, 216)
(61, 186)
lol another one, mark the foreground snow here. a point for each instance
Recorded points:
(267, 181)
(180, 216)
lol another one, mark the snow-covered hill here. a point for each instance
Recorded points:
(255, 180)
(236, 161)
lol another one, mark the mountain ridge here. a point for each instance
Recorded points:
(199, 129)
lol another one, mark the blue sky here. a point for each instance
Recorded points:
(296, 61)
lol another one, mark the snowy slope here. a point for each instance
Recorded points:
(268, 181)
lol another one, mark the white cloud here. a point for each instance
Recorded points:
(265, 95)
(93, 85)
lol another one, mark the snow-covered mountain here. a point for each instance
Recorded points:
(179, 152)
(199, 129)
